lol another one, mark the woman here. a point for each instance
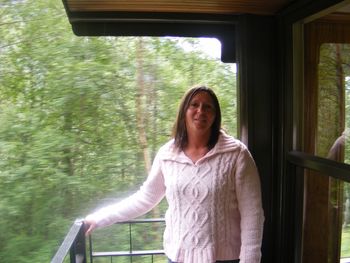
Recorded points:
(212, 187)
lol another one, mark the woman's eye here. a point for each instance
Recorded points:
(208, 107)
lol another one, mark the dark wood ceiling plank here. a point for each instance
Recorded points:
(262, 7)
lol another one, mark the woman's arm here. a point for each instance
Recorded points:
(248, 191)
(148, 196)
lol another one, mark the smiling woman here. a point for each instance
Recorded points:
(198, 120)
(212, 187)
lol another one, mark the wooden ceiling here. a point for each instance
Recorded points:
(226, 7)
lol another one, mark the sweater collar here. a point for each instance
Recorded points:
(226, 143)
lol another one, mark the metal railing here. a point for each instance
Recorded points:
(130, 252)
(74, 244)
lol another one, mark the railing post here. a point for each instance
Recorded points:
(74, 244)
(130, 241)
(130, 252)
(90, 246)
(78, 249)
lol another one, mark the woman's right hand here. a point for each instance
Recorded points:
(90, 225)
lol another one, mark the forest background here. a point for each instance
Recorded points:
(81, 119)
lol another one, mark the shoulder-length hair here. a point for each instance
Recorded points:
(180, 131)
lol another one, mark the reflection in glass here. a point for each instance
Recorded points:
(333, 131)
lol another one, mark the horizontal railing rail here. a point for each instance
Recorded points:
(74, 244)
(131, 252)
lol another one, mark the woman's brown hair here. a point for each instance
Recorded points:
(180, 132)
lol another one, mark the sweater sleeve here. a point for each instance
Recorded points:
(250, 206)
(148, 196)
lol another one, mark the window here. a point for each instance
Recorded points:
(326, 135)
(81, 118)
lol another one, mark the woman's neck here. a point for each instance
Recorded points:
(197, 147)
(197, 141)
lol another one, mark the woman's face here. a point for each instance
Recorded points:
(200, 114)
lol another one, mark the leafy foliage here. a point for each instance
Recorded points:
(68, 127)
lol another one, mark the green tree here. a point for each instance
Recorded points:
(69, 133)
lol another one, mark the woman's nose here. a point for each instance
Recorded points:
(201, 108)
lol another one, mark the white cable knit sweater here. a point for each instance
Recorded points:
(215, 210)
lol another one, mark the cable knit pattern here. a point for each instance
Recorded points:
(215, 210)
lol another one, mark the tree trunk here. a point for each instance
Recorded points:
(140, 112)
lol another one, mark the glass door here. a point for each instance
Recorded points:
(326, 230)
